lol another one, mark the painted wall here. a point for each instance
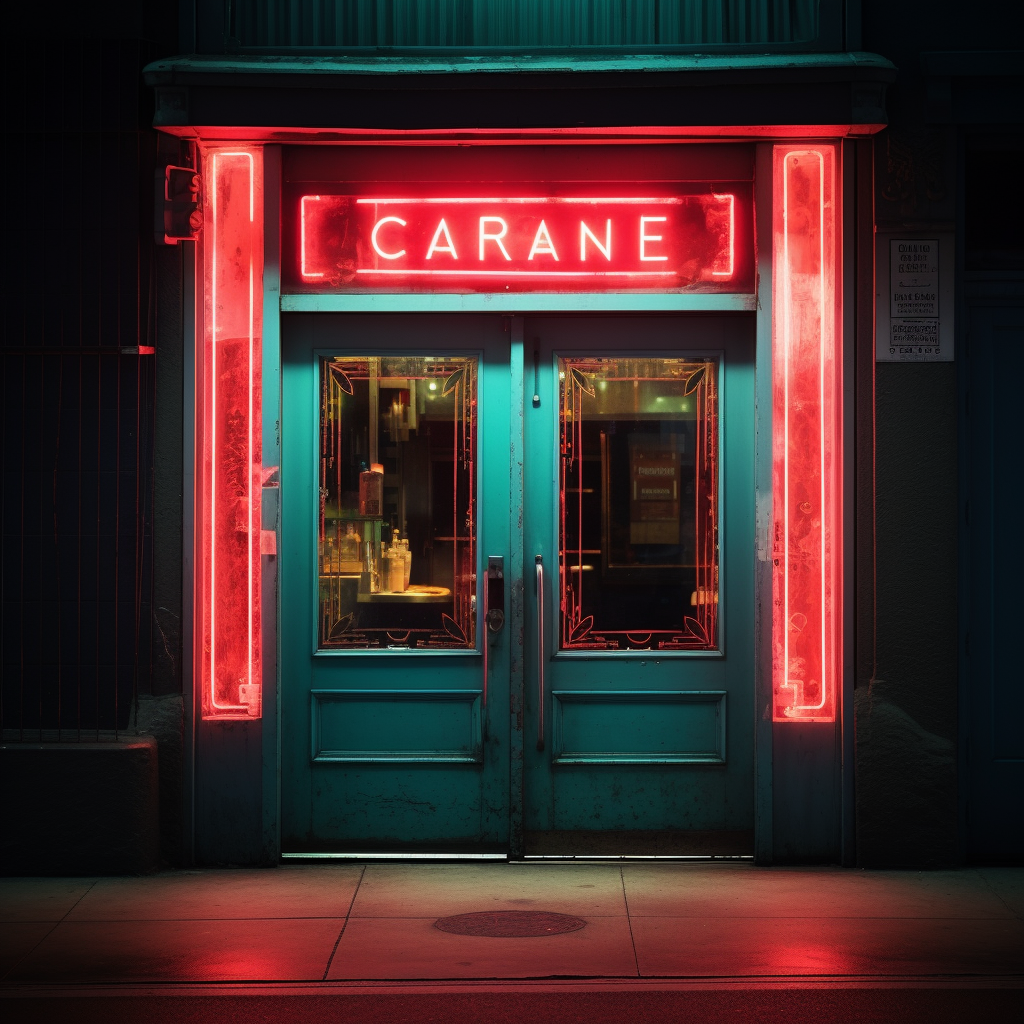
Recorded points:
(910, 755)
(90, 643)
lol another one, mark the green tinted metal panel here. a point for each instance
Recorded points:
(408, 770)
(618, 791)
(396, 725)
(636, 727)
(554, 302)
(474, 23)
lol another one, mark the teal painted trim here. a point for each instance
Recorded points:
(191, 257)
(638, 655)
(271, 503)
(402, 652)
(725, 446)
(846, 739)
(517, 611)
(763, 728)
(418, 856)
(573, 63)
(561, 698)
(508, 302)
(389, 697)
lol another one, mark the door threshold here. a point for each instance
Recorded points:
(394, 856)
(533, 858)
(606, 857)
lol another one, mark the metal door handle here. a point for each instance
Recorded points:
(540, 652)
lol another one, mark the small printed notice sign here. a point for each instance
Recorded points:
(915, 318)
(913, 277)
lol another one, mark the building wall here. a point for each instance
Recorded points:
(89, 643)
(909, 760)
(92, 565)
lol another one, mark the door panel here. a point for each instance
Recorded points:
(639, 500)
(390, 739)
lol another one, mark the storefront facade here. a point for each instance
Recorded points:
(525, 455)
(203, 662)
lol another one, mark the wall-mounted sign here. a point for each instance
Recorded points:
(698, 241)
(915, 312)
(913, 278)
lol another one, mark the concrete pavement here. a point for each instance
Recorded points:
(646, 926)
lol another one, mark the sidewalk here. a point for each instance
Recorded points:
(653, 925)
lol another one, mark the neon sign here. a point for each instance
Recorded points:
(698, 241)
(806, 439)
(228, 626)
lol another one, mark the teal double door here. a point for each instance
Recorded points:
(517, 584)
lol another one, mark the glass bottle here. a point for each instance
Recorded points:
(371, 490)
(395, 566)
(349, 551)
(407, 561)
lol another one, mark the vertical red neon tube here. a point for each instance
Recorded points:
(806, 437)
(229, 433)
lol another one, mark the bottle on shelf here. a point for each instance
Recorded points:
(407, 561)
(327, 566)
(371, 490)
(348, 547)
(395, 562)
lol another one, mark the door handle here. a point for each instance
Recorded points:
(493, 614)
(540, 651)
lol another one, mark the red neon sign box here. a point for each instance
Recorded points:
(696, 241)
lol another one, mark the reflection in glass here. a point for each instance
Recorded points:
(638, 504)
(397, 534)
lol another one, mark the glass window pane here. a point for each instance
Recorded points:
(638, 502)
(397, 510)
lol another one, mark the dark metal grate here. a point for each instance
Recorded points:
(76, 426)
(77, 540)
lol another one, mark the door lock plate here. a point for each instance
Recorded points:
(495, 592)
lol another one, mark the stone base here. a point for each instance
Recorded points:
(80, 808)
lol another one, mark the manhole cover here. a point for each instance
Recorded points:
(510, 924)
